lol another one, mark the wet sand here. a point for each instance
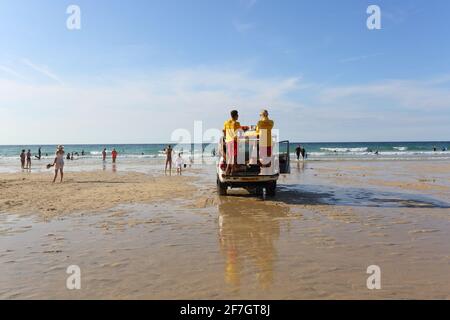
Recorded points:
(314, 240)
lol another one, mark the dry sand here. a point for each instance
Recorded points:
(85, 191)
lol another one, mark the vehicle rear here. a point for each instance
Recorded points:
(256, 169)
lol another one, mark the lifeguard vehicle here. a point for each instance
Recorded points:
(254, 171)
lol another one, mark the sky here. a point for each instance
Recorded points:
(138, 70)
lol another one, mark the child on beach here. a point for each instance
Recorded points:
(22, 159)
(179, 164)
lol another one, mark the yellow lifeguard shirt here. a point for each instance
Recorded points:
(230, 127)
(264, 129)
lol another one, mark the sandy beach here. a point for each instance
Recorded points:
(139, 235)
(85, 191)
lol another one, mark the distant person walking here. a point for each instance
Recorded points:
(29, 159)
(168, 152)
(298, 152)
(114, 155)
(58, 163)
(104, 154)
(22, 159)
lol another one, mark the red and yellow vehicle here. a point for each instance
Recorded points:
(255, 168)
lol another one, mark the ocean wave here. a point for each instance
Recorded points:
(401, 148)
(340, 150)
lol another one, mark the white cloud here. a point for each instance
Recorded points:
(145, 109)
(136, 109)
(44, 70)
(11, 72)
(360, 58)
(412, 95)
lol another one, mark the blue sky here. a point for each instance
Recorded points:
(137, 70)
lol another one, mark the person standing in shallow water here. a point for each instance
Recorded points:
(168, 152)
(114, 155)
(179, 164)
(39, 154)
(104, 154)
(22, 159)
(304, 154)
(298, 151)
(29, 159)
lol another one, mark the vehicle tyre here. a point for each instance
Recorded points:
(221, 188)
(271, 188)
(259, 191)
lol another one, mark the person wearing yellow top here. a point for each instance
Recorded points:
(264, 130)
(230, 128)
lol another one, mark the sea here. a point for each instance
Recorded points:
(136, 156)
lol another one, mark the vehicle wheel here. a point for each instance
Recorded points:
(259, 191)
(221, 188)
(271, 188)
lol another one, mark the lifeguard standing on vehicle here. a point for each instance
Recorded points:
(230, 128)
(259, 166)
(264, 131)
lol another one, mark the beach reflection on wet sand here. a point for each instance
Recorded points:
(315, 239)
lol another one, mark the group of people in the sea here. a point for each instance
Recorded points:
(443, 148)
(114, 155)
(230, 130)
(58, 162)
(26, 156)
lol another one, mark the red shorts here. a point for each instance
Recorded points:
(265, 151)
(231, 152)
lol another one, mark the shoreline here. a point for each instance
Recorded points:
(154, 166)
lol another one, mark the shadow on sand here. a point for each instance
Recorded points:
(357, 197)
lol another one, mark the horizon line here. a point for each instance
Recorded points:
(174, 143)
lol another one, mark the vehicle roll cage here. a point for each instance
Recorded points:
(247, 141)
